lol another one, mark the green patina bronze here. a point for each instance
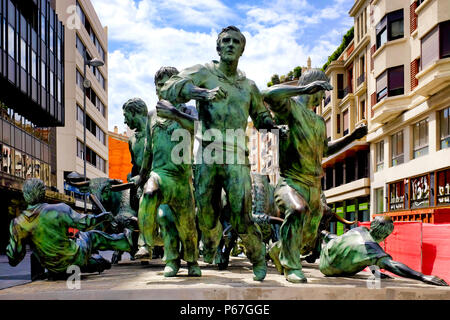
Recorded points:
(45, 227)
(135, 113)
(168, 183)
(225, 99)
(358, 248)
(298, 193)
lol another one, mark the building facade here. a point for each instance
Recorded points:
(119, 155)
(346, 181)
(409, 90)
(393, 76)
(263, 152)
(31, 101)
(84, 37)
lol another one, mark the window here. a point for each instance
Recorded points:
(33, 65)
(79, 80)
(395, 81)
(444, 124)
(379, 153)
(390, 27)
(80, 46)
(338, 123)
(379, 200)
(436, 44)
(345, 117)
(396, 196)
(11, 37)
(328, 126)
(43, 75)
(420, 136)
(23, 54)
(397, 148)
(340, 84)
(390, 83)
(362, 110)
(443, 185)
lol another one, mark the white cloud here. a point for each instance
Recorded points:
(147, 34)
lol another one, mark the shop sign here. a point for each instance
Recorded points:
(363, 206)
(340, 210)
(350, 208)
(420, 192)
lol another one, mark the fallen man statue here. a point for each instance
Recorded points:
(45, 228)
(350, 253)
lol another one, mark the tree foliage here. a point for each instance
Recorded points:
(346, 39)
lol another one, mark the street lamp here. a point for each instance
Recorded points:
(87, 84)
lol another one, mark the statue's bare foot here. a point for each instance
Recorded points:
(171, 268)
(294, 276)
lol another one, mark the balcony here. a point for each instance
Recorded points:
(434, 78)
(389, 108)
(348, 90)
(357, 188)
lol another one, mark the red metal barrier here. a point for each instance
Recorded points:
(436, 250)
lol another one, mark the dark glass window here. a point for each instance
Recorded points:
(11, 37)
(443, 184)
(391, 27)
(444, 127)
(444, 29)
(420, 136)
(395, 81)
(390, 83)
(379, 155)
(397, 148)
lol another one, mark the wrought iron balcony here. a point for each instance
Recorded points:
(361, 79)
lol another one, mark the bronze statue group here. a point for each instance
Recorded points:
(177, 199)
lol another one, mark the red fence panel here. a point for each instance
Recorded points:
(404, 244)
(436, 250)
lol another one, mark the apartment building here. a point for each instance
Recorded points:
(119, 155)
(85, 39)
(31, 102)
(409, 89)
(346, 181)
(263, 152)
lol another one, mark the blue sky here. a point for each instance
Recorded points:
(147, 34)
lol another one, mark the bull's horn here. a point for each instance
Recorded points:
(276, 220)
(79, 184)
(121, 187)
(342, 220)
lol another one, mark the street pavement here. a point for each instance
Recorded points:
(133, 280)
(13, 276)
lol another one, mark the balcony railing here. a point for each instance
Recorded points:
(347, 90)
(361, 79)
